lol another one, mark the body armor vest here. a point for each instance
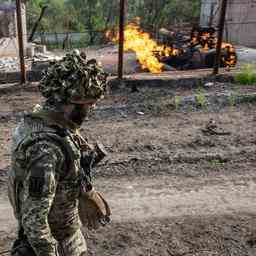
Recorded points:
(63, 217)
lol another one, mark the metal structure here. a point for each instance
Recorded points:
(220, 35)
(121, 39)
(21, 43)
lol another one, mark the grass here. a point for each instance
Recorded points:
(216, 163)
(177, 101)
(247, 75)
(201, 99)
(232, 99)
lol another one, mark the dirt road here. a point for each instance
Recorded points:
(152, 199)
(163, 197)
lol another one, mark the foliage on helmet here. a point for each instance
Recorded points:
(73, 78)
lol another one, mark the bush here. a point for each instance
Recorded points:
(247, 75)
(201, 100)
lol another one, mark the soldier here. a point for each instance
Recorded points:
(49, 185)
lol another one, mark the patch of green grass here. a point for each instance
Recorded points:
(247, 75)
(216, 162)
(232, 99)
(177, 101)
(201, 99)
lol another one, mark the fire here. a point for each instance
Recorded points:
(145, 47)
(231, 59)
(207, 39)
(152, 55)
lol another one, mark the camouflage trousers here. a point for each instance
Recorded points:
(75, 245)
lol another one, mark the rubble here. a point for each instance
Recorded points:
(11, 64)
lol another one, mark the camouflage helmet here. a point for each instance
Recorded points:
(73, 79)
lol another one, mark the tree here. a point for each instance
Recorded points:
(93, 16)
(43, 9)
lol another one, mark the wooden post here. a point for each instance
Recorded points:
(121, 39)
(20, 41)
(220, 35)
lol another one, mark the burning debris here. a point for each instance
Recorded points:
(147, 50)
(205, 38)
(183, 52)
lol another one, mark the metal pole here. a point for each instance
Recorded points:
(220, 35)
(121, 39)
(20, 41)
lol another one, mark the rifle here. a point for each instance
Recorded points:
(88, 161)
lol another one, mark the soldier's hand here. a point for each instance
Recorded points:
(94, 210)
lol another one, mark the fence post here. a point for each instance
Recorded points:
(121, 39)
(220, 35)
(20, 42)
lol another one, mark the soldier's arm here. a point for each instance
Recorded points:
(39, 190)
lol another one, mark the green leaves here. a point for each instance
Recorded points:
(92, 16)
(247, 75)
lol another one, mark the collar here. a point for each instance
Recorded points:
(55, 118)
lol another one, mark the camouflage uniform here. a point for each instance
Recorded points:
(45, 176)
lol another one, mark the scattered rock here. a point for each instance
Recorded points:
(212, 128)
(209, 84)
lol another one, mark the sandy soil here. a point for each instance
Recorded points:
(173, 190)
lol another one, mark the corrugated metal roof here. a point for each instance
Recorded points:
(7, 7)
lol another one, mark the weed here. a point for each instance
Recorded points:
(177, 101)
(247, 75)
(216, 162)
(190, 108)
(201, 99)
(232, 99)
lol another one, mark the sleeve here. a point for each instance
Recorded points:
(44, 160)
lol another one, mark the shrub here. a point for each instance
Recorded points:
(247, 75)
(177, 101)
(201, 100)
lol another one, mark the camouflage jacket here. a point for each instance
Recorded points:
(44, 180)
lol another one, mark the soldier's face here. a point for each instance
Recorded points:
(80, 112)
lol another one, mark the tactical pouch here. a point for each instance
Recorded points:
(93, 210)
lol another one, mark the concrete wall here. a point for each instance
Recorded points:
(240, 20)
(209, 8)
(8, 47)
(8, 30)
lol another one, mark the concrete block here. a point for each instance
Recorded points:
(31, 51)
(41, 49)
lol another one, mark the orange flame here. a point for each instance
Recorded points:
(209, 41)
(148, 51)
(231, 59)
(145, 47)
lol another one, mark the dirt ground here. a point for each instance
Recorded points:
(174, 191)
